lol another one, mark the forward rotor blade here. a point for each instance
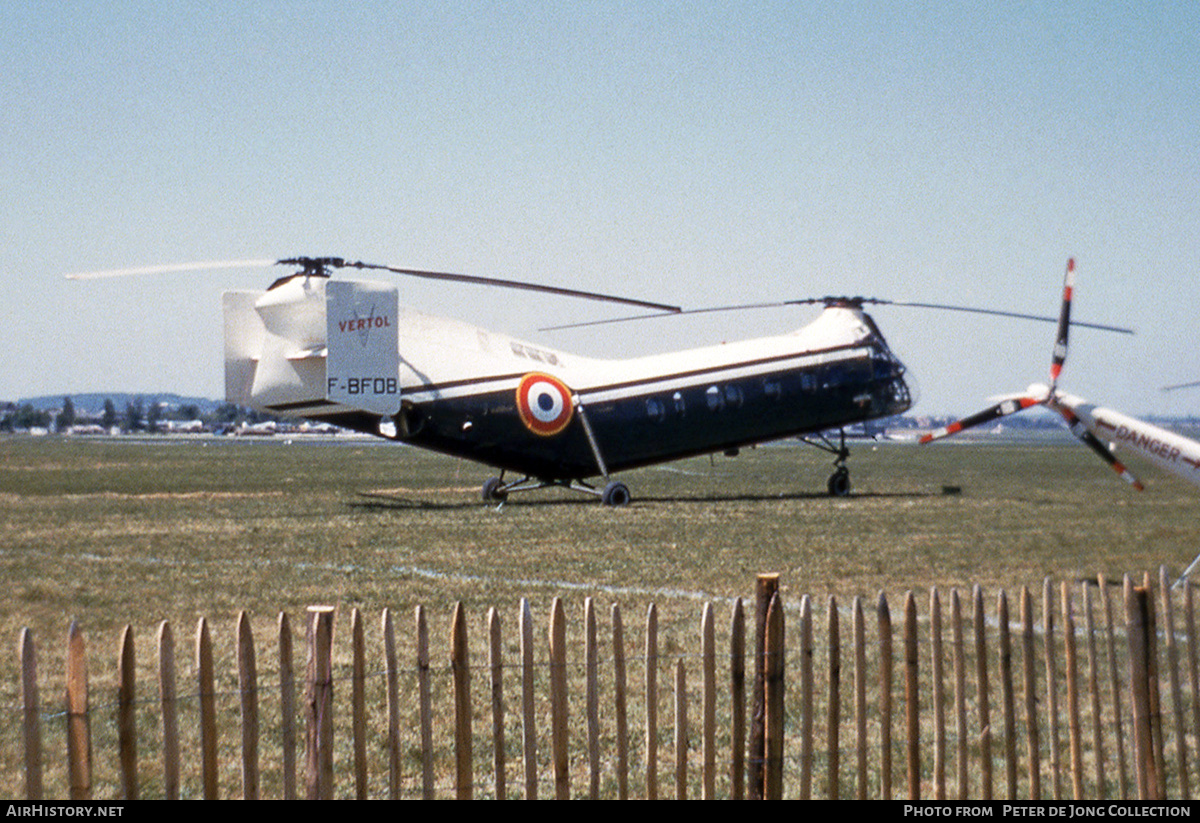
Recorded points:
(998, 313)
(1181, 386)
(1059, 357)
(514, 284)
(847, 302)
(171, 267)
(1090, 440)
(1001, 409)
(673, 313)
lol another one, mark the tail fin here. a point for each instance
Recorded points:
(363, 364)
(310, 345)
(244, 335)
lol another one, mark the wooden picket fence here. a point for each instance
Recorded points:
(958, 703)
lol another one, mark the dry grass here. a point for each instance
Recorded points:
(111, 533)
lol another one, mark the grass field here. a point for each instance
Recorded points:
(113, 532)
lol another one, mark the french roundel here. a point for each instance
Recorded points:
(544, 403)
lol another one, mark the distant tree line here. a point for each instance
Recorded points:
(14, 417)
(151, 417)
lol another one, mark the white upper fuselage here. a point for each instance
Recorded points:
(444, 358)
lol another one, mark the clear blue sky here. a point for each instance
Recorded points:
(697, 154)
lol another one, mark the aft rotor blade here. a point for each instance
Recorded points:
(514, 284)
(171, 267)
(1001, 409)
(1092, 442)
(1181, 386)
(1059, 356)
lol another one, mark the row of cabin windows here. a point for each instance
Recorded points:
(719, 398)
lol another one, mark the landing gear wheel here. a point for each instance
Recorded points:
(615, 494)
(493, 490)
(839, 482)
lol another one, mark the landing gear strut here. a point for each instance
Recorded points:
(839, 481)
(494, 490)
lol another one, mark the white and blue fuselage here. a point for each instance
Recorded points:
(345, 352)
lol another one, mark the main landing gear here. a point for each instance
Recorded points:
(839, 481)
(495, 490)
(614, 493)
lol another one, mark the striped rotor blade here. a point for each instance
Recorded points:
(1064, 325)
(1092, 442)
(1001, 409)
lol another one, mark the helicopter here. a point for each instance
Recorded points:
(1100, 429)
(345, 352)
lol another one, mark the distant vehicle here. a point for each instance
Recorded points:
(317, 428)
(184, 426)
(344, 352)
(1094, 425)
(86, 429)
(267, 429)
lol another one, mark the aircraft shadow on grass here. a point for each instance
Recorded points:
(381, 502)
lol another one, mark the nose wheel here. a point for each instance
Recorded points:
(839, 482)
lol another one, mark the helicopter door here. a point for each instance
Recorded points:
(363, 364)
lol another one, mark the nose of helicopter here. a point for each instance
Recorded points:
(912, 388)
(897, 386)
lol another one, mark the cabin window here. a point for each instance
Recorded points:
(656, 409)
(835, 375)
(677, 398)
(772, 389)
(733, 396)
(714, 398)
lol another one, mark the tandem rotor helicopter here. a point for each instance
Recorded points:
(344, 351)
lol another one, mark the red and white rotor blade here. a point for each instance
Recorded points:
(1089, 439)
(1010, 405)
(1059, 356)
